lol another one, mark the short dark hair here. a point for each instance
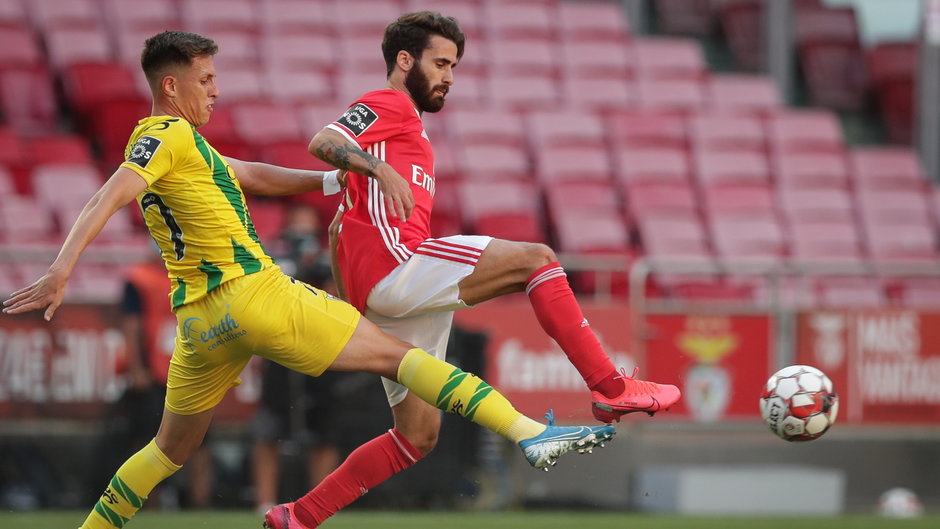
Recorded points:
(412, 32)
(173, 48)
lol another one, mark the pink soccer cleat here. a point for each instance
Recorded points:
(282, 517)
(638, 395)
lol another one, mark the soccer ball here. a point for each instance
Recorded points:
(798, 403)
(900, 503)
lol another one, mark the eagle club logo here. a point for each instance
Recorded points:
(225, 330)
(358, 118)
(142, 151)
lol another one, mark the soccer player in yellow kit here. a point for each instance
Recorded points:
(232, 301)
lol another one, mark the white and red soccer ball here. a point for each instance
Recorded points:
(798, 403)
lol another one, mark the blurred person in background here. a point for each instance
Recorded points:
(297, 410)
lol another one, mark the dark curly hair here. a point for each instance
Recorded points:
(412, 33)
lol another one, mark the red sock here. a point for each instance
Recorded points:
(366, 467)
(560, 315)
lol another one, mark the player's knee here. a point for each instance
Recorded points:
(425, 441)
(539, 255)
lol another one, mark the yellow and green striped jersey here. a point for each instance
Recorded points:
(193, 207)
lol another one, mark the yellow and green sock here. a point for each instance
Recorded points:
(129, 488)
(451, 389)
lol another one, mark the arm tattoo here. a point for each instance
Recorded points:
(341, 156)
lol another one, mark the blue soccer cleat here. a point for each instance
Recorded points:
(544, 449)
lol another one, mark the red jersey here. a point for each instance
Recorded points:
(372, 242)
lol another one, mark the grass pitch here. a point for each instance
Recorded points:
(467, 520)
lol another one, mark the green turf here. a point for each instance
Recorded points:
(468, 520)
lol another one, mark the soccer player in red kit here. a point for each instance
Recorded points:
(409, 284)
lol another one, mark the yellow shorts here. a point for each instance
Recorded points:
(267, 314)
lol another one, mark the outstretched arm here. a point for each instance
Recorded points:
(334, 149)
(258, 178)
(48, 291)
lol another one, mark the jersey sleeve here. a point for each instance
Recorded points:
(157, 149)
(373, 118)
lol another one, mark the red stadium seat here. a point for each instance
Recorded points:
(113, 123)
(717, 132)
(653, 165)
(731, 168)
(647, 129)
(821, 204)
(668, 58)
(297, 17)
(314, 116)
(739, 201)
(810, 130)
(268, 217)
(299, 87)
(518, 57)
(572, 163)
(686, 17)
(504, 209)
(810, 170)
(752, 238)
(60, 184)
(446, 217)
(28, 100)
(743, 24)
(13, 14)
(825, 242)
(468, 14)
(23, 220)
(902, 243)
(365, 18)
(130, 42)
(893, 206)
(886, 168)
(597, 20)
(485, 126)
(831, 57)
(7, 182)
(88, 85)
(361, 53)
(893, 67)
(519, 20)
(470, 93)
(241, 85)
(596, 59)
(661, 200)
(591, 232)
(299, 52)
(351, 85)
(585, 197)
(547, 129)
(56, 14)
(851, 292)
(67, 46)
(682, 96)
(602, 95)
(743, 93)
(153, 16)
(523, 93)
(674, 237)
(237, 50)
(19, 48)
(493, 162)
(59, 148)
(262, 124)
(210, 17)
